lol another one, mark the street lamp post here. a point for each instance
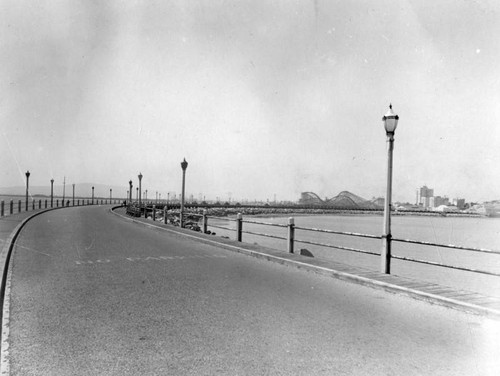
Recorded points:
(110, 195)
(140, 191)
(64, 191)
(390, 120)
(92, 195)
(184, 165)
(27, 187)
(51, 193)
(73, 194)
(130, 192)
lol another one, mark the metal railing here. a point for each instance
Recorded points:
(16, 207)
(291, 239)
(450, 246)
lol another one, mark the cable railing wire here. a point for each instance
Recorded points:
(338, 232)
(483, 250)
(265, 235)
(444, 265)
(356, 250)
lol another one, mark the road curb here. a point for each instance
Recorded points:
(5, 256)
(345, 276)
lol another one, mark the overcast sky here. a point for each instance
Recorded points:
(262, 98)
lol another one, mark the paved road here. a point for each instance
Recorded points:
(93, 294)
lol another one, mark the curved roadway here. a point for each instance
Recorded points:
(94, 294)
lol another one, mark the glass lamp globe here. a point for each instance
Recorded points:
(390, 120)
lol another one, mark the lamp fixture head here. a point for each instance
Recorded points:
(390, 120)
(184, 164)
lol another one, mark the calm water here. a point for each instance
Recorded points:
(463, 231)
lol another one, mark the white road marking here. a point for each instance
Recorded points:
(144, 259)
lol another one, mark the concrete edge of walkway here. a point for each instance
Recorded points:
(5, 256)
(293, 260)
(8, 246)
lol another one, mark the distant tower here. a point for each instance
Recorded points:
(424, 195)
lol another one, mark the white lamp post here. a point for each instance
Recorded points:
(390, 120)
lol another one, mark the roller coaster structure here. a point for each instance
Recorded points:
(344, 200)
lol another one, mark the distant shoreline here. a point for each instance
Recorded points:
(288, 212)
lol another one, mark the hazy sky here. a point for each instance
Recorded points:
(262, 98)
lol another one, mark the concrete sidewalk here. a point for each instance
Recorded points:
(435, 294)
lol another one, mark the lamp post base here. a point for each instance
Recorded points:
(385, 255)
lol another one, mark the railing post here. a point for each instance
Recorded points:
(205, 221)
(33, 204)
(39, 204)
(57, 203)
(19, 206)
(2, 208)
(291, 234)
(11, 206)
(239, 227)
(165, 210)
(154, 212)
(45, 204)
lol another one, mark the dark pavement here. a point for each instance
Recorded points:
(94, 294)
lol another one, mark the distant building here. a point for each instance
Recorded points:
(459, 203)
(438, 201)
(423, 196)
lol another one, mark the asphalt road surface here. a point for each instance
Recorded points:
(94, 294)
